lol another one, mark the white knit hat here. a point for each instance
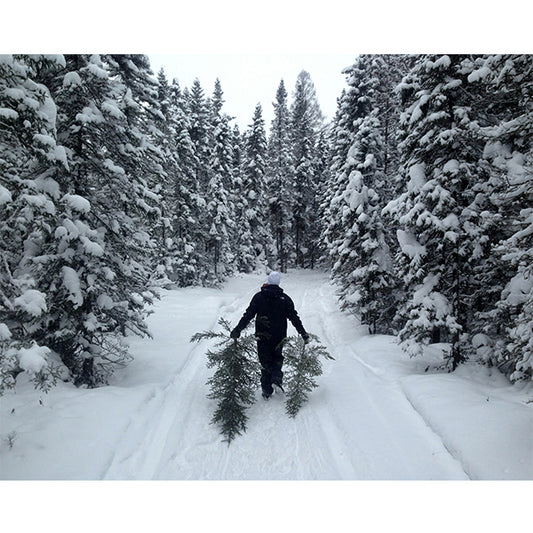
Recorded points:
(274, 278)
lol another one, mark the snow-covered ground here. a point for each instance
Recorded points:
(376, 415)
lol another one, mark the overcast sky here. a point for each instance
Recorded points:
(249, 79)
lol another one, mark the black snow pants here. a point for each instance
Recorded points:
(271, 360)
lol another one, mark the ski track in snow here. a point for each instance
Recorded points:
(170, 436)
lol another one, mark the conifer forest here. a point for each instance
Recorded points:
(116, 181)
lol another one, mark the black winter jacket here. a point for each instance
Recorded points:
(273, 307)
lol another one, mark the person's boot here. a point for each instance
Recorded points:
(278, 389)
(266, 393)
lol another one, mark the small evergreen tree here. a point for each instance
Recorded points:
(302, 366)
(234, 381)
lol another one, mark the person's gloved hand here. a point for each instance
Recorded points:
(235, 334)
(305, 338)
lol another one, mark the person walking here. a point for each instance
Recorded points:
(272, 307)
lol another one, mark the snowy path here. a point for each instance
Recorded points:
(357, 424)
(375, 415)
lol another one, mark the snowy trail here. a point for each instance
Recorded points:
(357, 425)
(375, 415)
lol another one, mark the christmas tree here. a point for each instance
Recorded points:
(235, 379)
(302, 367)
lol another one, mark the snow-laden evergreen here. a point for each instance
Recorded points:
(220, 203)
(280, 178)
(355, 234)
(29, 203)
(451, 165)
(368, 262)
(440, 162)
(453, 218)
(174, 234)
(95, 270)
(305, 123)
(115, 182)
(507, 129)
(187, 204)
(254, 239)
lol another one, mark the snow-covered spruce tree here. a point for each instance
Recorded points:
(390, 70)
(246, 257)
(235, 379)
(302, 366)
(199, 131)
(322, 163)
(305, 122)
(279, 179)
(200, 127)
(329, 209)
(254, 238)
(94, 269)
(254, 172)
(144, 156)
(490, 274)
(189, 204)
(341, 140)
(28, 204)
(516, 303)
(237, 151)
(362, 262)
(440, 233)
(219, 195)
(364, 266)
(181, 224)
(507, 129)
(167, 249)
